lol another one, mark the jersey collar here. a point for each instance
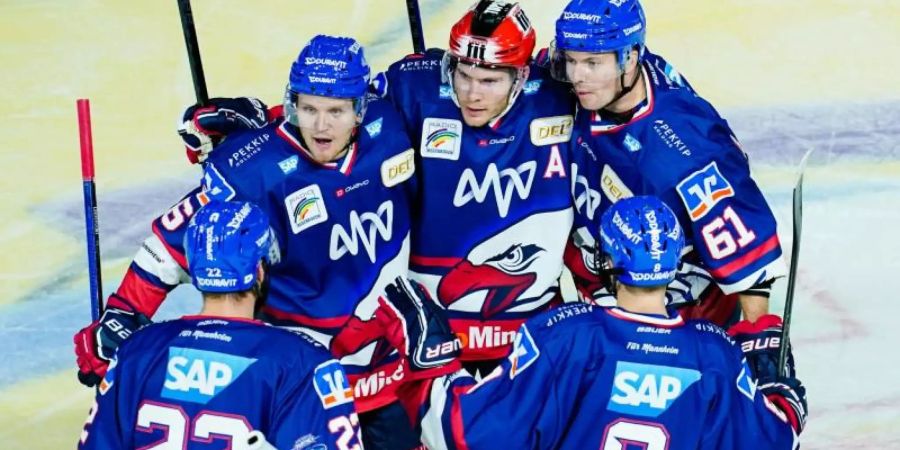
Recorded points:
(600, 126)
(649, 319)
(343, 165)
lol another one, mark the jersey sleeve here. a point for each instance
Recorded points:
(317, 402)
(743, 418)
(159, 265)
(532, 389)
(103, 428)
(732, 227)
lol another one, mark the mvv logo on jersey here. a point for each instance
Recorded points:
(551, 130)
(701, 190)
(503, 183)
(646, 389)
(199, 375)
(364, 229)
(306, 208)
(441, 138)
(398, 168)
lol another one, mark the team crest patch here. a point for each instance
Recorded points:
(306, 208)
(703, 189)
(441, 138)
(331, 384)
(398, 168)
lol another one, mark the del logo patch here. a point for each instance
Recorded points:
(551, 130)
(703, 189)
(306, 208)
(199, 375)
(648, 390)
(331, 384)
(441, 138)
(398, 168)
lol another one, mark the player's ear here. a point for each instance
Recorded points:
(261, 273)
(633, 57)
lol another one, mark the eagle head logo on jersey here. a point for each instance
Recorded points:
(504, 270)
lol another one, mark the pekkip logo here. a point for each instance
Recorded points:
(504, 184)
(648, 390)
(703, 189)
(199, 375)
(331, 384)
(365, 229)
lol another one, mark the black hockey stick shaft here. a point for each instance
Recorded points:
(797, 229)
(193, 50)
(415, 25)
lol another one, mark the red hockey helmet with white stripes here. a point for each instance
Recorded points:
(493, 33)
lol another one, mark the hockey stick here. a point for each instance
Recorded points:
(792, 271)
(193, 50)
(415, 25)
(91, 224)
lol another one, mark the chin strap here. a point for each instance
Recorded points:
(623, 92)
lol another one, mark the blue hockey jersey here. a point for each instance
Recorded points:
(201, 382)
(343, 230)
(494, 209)
(583, 376)
(677, 147)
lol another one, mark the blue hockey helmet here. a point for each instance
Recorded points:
(329, 66)
(224, 244)
(641, 241)
(599, 26)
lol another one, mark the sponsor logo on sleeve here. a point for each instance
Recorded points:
(398, 168)
(374, 128)
(331, 384)
(551, 130)
(197, 376)
(441, 138)
(524, 352)
(215, 186)
(703, 189)
(289, 165)
(306, 208)
(648, 390)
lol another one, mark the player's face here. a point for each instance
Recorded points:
(594, 77)
(482, 93)
(326, 125)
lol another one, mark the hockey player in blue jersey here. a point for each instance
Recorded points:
(636, 375)
(642, 129)
(334, 173)
(208, 380)
(495, 208)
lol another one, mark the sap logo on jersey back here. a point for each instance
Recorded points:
(289, 165)
(518, 181)
(331, 384)
(441, 138)
(703, 189)
(398, 168)
(215, 186)
(524, 352)
(380, 223)
(647, 390)
(306, 208)
(374, 128)
(551, 130)
(199, 375)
